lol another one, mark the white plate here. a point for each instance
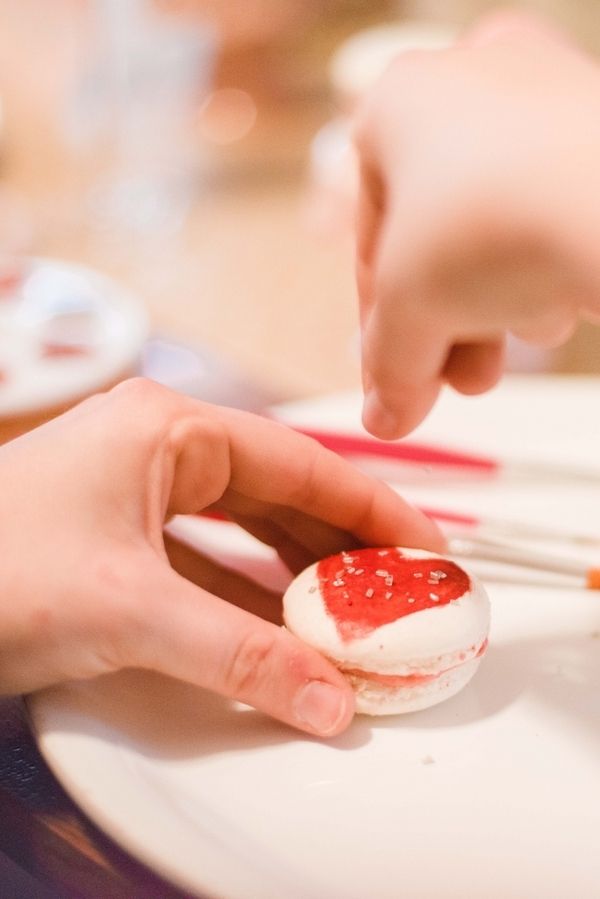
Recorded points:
(65, 332)
(495, 793)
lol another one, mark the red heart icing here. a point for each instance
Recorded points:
(365, 588)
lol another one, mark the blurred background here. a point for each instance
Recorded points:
(196, 152)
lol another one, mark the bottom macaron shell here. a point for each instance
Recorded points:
(377, 699)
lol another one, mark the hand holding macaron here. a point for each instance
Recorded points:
(90, 584)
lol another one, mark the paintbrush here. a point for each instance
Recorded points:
(494, 550)
(487, 550)
(499, 527)
(430, 456)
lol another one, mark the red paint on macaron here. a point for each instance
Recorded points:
(364, 589)
(413, 680)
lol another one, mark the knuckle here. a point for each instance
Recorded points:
(146, 408)
(306, 492)
(251, 664)
(208, 430)
(138, 390)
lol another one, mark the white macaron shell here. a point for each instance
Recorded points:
(377, 699)
(423, 642)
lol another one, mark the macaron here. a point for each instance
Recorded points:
(407, 627)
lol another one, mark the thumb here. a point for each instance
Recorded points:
(190, 634)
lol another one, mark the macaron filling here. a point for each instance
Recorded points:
(410, 680)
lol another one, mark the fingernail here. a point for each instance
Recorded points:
(320, 706)
(377, 419)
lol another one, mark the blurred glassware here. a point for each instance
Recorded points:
(134, 112)
(201, 373)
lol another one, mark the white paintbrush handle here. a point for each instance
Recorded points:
(507, 553)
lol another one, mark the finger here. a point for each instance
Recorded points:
(293, 554)
(368, 224)
(189, 634)
(273, 465)
(220, 581)
(405, 377)
(298, 539)
(473, 368)
(395, 411)
(209, 451)
(403, 352)
(318, 538)
(549, 329)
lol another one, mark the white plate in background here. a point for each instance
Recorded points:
(65, 331)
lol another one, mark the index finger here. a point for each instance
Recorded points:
(272, 464)
(405, 343)
(403, 359)
(196, 452)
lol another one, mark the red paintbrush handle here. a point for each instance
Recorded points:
(451, 517)
(404, 451)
